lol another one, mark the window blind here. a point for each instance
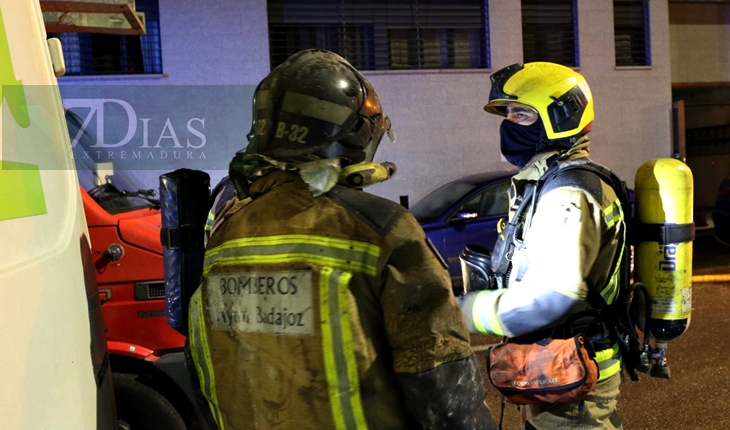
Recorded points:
(550, 31)
(385, 34)
(631, 32)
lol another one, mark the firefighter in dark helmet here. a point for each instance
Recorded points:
(568, 242)
(322, 306)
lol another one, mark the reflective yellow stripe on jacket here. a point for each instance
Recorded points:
(320, 251)
(339, 358)
(198, 340)
(609, 362)
(338, 258)
(614, 214)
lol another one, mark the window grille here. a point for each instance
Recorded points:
(88, 54)
(384, 34)
(550, 31)
(631, 32)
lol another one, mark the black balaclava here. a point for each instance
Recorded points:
(518, 143)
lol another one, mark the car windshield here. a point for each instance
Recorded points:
(115, 201)
(434, 204)
(109, 197)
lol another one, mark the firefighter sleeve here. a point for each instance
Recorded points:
(548, 279)
(450, 396)
(428, 337)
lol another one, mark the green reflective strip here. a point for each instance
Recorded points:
(292, 258)
(339, 358)
(609, 293)
(21, 190)
(613, 214)
(609, 362)
(11, 88)
(210, 221)
(315, 108)
(297, 239)
(201, 356)
(485, 319)
(347, 255)
(349, 353)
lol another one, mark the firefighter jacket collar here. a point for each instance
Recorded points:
(274, 180)
(319, 175)
(539, 164)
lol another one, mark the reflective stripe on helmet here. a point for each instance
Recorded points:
(313, 107)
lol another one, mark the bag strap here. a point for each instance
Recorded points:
(501, 412)
(512, 233)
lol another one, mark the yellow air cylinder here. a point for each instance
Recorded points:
(664, 233)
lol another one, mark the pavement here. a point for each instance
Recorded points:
(698, 392)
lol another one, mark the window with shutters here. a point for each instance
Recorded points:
(631, 32)
(550, 31)
(89, 54)
(383, 34)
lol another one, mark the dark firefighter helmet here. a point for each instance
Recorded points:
(316, 105)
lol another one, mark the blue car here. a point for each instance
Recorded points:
(464, 211)
(467, 210)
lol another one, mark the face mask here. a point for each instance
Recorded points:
(518, 142)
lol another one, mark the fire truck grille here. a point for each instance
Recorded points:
(153, 290)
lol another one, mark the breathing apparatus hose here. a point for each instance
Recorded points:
(645, 361)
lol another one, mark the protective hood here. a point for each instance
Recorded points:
(519, 143)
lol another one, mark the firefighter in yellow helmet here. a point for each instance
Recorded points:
(567, 244)
(321, 306)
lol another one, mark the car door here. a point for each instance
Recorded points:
(475, 222)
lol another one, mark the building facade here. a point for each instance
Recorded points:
(442, 131)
